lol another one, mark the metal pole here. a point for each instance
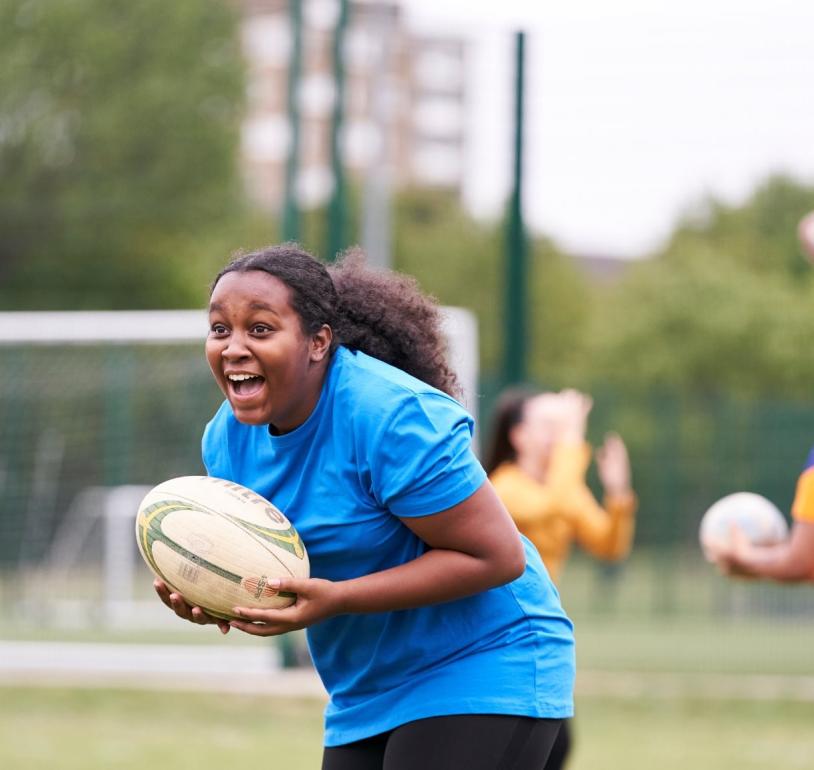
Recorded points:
(516, 300)
(376, 206)
(291, 211)
(337, 214)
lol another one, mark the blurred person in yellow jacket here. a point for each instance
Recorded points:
(537, 462)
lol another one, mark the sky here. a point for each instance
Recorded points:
(637, 110)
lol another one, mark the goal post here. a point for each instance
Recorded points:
(96, 407)
(138, 327)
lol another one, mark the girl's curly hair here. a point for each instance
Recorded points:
(379, 312)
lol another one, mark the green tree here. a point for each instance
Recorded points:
(118, 136)
(725, 307)
(461, 261)
(759, 235)
(454, 258)
(561, 307)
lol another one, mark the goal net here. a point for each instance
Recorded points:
(96, 407)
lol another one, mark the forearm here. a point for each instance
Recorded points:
(776, 562)
(606, 533)
(569, 465)
(471, 547)
(437, 576)
(621, 507)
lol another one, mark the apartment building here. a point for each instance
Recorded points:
(404, 100)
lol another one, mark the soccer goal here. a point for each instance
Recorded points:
(95, 408)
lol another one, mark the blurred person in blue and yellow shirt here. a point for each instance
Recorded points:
(791, 560)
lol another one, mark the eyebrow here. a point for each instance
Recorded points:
(262, 306)
(217, 307)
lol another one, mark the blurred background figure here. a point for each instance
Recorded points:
(537, 462)
(791, 560)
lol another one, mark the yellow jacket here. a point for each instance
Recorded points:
(555, 513)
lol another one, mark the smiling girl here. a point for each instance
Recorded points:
(433, 625)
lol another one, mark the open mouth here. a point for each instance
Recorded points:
(245, 385)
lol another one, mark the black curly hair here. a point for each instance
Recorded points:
(379, 312)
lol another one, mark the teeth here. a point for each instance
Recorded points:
(241, 377)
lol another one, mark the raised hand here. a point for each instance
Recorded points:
(613, 465)
(573, 408)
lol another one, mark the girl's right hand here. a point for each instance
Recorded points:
(574, 408)
(186, 611)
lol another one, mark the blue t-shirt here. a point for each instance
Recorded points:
(380, 445)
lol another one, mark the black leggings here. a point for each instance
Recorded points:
(462, 741)
(561, 748)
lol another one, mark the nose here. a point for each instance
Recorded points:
(236, 348)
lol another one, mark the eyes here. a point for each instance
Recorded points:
(218, 329)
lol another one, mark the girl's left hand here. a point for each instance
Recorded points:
(317, 599)
(613, 465)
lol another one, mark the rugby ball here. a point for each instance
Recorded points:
(218, 544)
(759, 519)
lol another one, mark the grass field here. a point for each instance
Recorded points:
(659, 610)
(103, 729)
(617, 643)
(689, 645)
(656, 616)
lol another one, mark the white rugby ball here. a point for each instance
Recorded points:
(758, 518)
(218, 544)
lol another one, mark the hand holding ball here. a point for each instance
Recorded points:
(219, 544)
(743, 514)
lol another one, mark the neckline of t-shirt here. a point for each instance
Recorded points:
(305, 430)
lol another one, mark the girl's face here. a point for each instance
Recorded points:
(267, 367)
(535, 435)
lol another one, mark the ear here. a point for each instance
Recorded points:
(321, 343)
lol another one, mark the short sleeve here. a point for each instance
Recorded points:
(422, 460)
(214, 447)
(802, 508)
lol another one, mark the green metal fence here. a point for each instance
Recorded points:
(75, 417)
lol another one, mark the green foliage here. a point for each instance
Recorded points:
(724, 307)
(462, 262)
(561, 305)
(454, 258)
(706, 325)
(759, 236)
(118, 135)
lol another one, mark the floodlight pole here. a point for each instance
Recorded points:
(291, 209)
(376, 217)
(516, 296)
(337, 210)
